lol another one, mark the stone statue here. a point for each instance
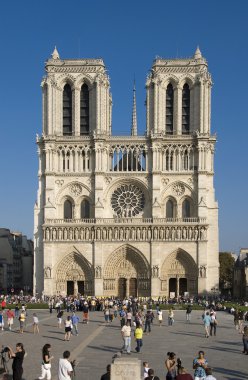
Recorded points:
(47, 234)
(70, 234)
(121, 233)
(190, 232)
(167, 233)
(173, 233)
(149, 233)
(196, 233)
(54, 234)
(184, 233)
(138, 233)
(127, 233)
(116, 233)
(104, 233)
(47, 272)
(161, 233)
(133, 233)
(98, 271)
(60, 234)
(76, 234)
(98, 234)
(81, 234)
(155, 234)
(110, 234)
(65, 234)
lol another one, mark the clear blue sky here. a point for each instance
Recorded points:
(128, 35)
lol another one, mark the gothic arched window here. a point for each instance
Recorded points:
(169, 109)
(186, 209)
(85, 209)
(169, 209)
(84, 110)
(67, 110)
(67, 209)
(185, 109)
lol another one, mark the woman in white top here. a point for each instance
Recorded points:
(160, 317)
(35, 324)
(68, 328)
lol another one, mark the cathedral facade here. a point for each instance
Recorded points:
(126, 215)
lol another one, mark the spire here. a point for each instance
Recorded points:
(55, 54)
(198, 54)
(134, 114)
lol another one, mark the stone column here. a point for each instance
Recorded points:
(178, 286)
(75, 288)
(127, 287)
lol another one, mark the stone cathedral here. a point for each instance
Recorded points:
(128, 215)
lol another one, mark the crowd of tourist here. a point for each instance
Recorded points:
(136, 318)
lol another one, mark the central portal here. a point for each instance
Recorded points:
(126, 274)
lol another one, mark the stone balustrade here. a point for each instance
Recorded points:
(135, 221)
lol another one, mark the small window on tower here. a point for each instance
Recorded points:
(67, 111)
(169, 109)
(84, 110)
(185, 109)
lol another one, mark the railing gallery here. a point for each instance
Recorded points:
(135, 221)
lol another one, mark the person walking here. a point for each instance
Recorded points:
(65, 368)
(68, 328)
(138, 333)
(213, 323)
(170, 317)
(199, 365)
(188, 313)
(74, 321)
(160, 317)
(46, 362)
(126, 335)
(17, 357)
(10, 318)
(22, 319)
(206, 322)
(170, 365)
(245, 340)
(35, 324)
(59, 318)
(1, 321)
(106, 314)
(148, 320)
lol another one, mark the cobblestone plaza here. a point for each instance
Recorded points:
(96, 344)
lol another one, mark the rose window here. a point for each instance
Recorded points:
(127, 201)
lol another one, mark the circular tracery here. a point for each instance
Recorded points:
(127, 201)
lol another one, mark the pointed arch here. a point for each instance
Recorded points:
(179, 262)
(169, 109)
(129, 260)
(74, 267)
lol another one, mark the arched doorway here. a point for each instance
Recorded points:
(126, 273)
(74, 275)
(179, 275)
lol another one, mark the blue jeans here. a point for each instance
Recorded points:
(139, 344)
(127, 343)
(148, 326)
(170, 321)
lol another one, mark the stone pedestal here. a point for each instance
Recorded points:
(126, 369)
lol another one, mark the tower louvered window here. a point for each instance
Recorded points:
(67, 110)
(84, 110)
(169, 209)
(169, 109)
(185, 109)
(85, 209)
